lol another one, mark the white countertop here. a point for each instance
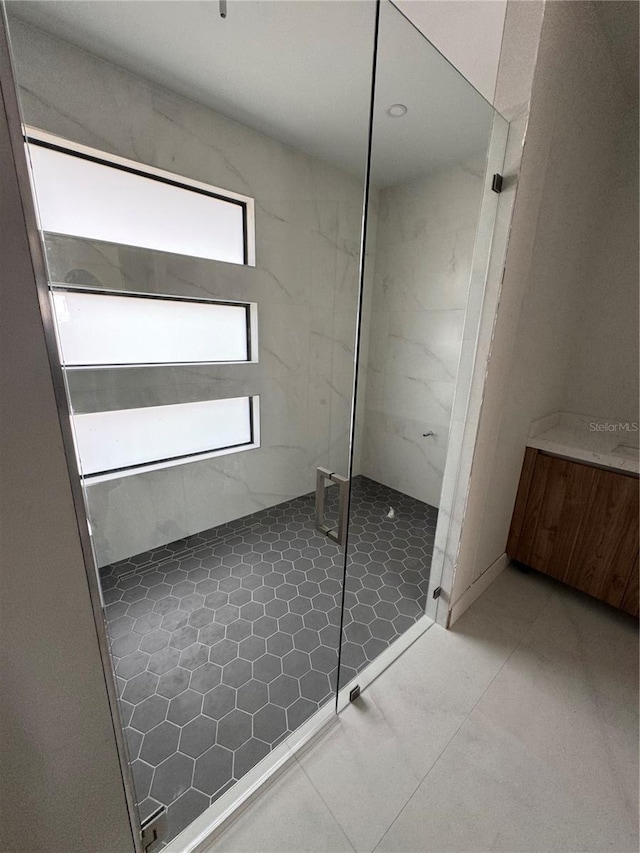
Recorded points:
(605, 443)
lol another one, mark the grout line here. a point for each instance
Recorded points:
(322, 799)
(457, 731)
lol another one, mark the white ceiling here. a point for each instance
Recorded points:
(467, 32)
(296, 71)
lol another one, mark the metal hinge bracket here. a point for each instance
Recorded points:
(496, 183)
(153, 830)
(437, 592)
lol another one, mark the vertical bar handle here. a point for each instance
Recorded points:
(338, 534)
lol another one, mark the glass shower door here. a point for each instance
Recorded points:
(435, 144)
(200, 200)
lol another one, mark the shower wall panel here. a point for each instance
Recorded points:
(308, 219)
(423, 254)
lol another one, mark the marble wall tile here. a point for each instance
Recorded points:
(423, 265)
(305, 284)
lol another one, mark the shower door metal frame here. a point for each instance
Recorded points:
(450, 530)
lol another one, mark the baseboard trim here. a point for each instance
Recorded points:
(477, 588)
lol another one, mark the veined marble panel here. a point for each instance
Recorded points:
(305, 284)
(423, 271)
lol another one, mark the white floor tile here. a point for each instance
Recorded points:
(288, 817)
(488, 792)
(515, 731)
(362, 771)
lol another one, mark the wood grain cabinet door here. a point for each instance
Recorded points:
(578, 524)
(607, 547)
(558, 498)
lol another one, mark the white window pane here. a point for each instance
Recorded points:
(110, 441)
(101, 328)
(88, 199)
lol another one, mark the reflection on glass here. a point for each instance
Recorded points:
(222, 599)
(430, 136)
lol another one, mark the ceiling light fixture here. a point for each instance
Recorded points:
(396, 110)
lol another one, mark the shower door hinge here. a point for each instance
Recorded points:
(437, 592)
(153, 830)
(496, 183)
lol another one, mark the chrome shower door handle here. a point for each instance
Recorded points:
(338, 534)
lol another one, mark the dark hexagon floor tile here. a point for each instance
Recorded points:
(381, 629)
(139, 608)
(279, 644)
(353, 655)
(239, 630)
(267, 667)
(265, 626)
(183, 637)
(206, 677)
(172, 778)
(296, 663)
(215, 600)
(140, 687)
(200, 617)
(276, 608)
(235, 673)
(290, 623)
(194, 656)
(198, 736)
(126, 645)
(306, 640)
(373, 647)
(160, 743)
(252, 648)
(234, 729)
(357, 633)
(226, 614)
(155, 641)
(247, 756)
(174, 681)
(219, 701)
(283, 691)
(315, 686)
(289, 577)
(142, 776)
(213, 770)
(252, 696)
(149, 713)
(299, 712)
(300, 605)
(223, 652)
(210, 634)
(174, 620)
(185, 810)
(269, 723)
(324, 659)
(132, 664)
(134, 742)
(184, 707)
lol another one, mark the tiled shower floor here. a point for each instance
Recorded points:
(225, 642)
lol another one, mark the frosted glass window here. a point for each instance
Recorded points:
(132, 438)
(103, 328)
(86, 197)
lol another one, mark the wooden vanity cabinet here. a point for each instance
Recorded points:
(579, 524)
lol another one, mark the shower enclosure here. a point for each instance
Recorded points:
(266, 238)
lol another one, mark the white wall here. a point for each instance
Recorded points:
(424, 248)
(602, 379)
(467, 32)
(576, 108)
(60, 783)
